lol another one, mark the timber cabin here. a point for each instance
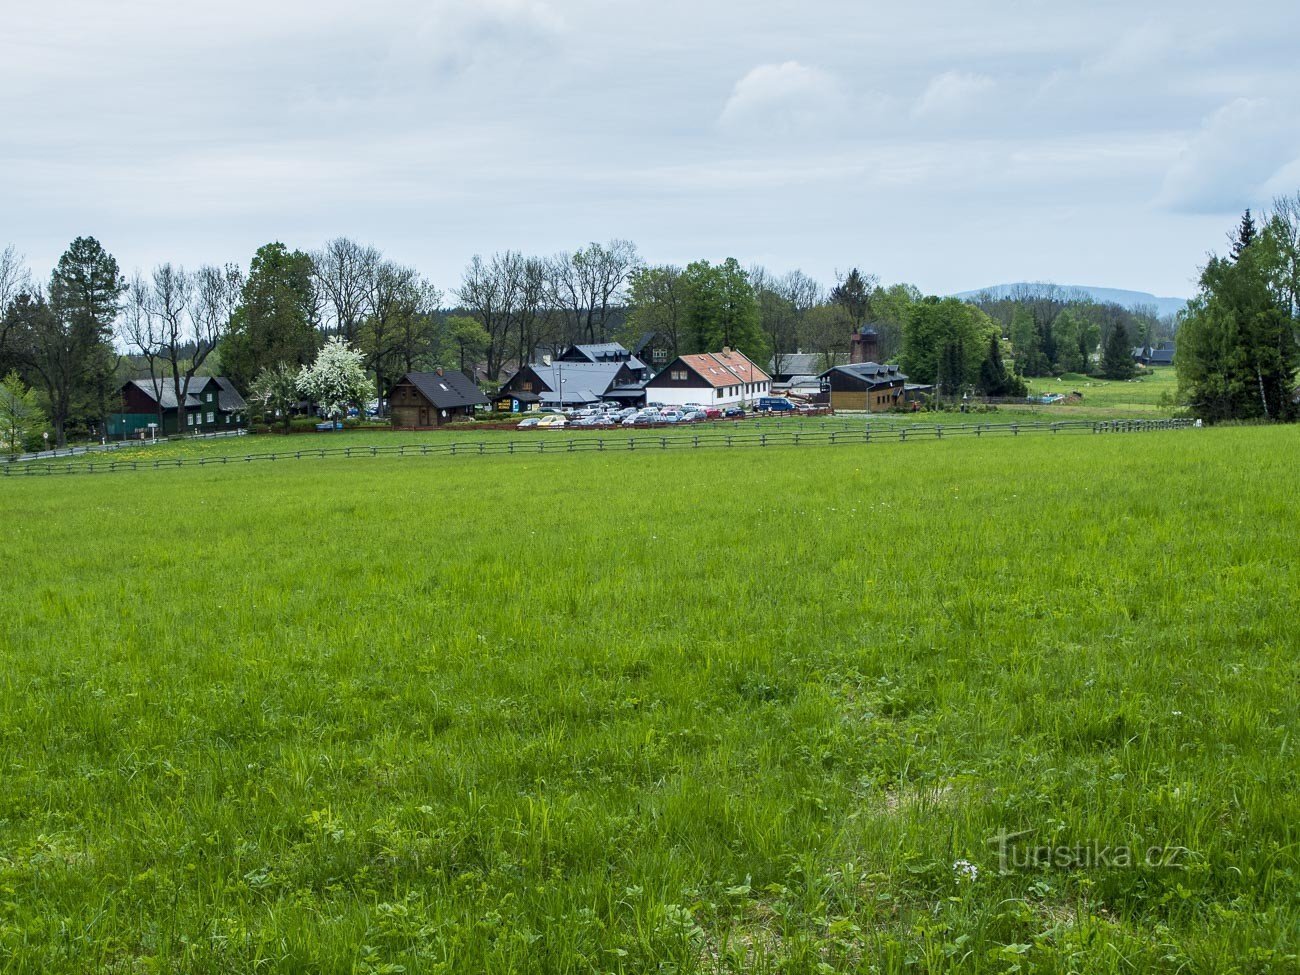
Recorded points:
(865, 386)
(211, 404)
(725, 378)
(430, 399)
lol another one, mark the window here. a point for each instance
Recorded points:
(526, 386)
(660, 355)
(189, 418)
(209, 399)
(679, 375)
(209, 416)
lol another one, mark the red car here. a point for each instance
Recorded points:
(712, 413)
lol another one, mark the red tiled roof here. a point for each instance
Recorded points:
(725, 368)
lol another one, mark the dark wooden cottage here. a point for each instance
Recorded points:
(430, 399)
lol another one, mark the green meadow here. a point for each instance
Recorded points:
(1002, 705)
(1153, 390)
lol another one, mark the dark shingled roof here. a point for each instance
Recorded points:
(450, 390)
(871, 372)
(228, 398)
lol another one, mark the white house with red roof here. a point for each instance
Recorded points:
(726, 378)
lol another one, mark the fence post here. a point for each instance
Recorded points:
(1015, 429)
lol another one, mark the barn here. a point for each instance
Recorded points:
(866, 386)
(430, 399)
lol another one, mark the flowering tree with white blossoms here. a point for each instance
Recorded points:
(336, 379)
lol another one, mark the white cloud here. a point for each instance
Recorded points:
(1229, 163)
(782, 98)
(953, 93)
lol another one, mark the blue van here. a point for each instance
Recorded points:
(774, 404)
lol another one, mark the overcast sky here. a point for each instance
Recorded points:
(1103, 143)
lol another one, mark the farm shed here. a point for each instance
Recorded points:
(430, 399)
(866, 386)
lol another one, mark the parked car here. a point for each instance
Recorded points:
(712, 413)
(528, 422)
(552, 422)
(734, 412)
(773, 404)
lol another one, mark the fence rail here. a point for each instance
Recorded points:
(546, 442)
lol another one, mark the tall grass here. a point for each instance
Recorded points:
(692, 712)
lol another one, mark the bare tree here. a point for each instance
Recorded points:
(590, 284)
(14, 279)
(1284, 226)
(345, 272)
(401, 323)
(140, 333)
(192, 313)
(489, 293)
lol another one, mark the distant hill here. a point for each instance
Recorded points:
(1118, 296)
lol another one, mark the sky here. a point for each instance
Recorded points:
(948, 144)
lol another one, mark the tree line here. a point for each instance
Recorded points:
(67, 344)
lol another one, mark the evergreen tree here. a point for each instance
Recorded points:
(994, 379)
(853, 294)
(75, 358)
(1244, 236)
(1117, 357)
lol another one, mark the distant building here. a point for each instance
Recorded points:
(786, 368)
(656, 349)
(1162, 355)
(566, 383)
(723, 378)
(211, 403)
(605, 352)
(865, 386)
(430, 399)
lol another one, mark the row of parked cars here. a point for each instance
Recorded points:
(646, 416)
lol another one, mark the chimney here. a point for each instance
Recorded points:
(439, 370)
(864, 346)
(726, 350)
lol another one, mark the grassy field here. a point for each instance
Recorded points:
(1155, 390)
(748, 711)
(191, 450)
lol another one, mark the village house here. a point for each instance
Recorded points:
(866, 386)
(656, 349)
(563, 384)
(430, 399)
(725, 378)
(790, 367)
(211, 403)
(1162, 355)
(605, 352)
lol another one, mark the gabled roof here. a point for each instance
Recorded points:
(228, 398)
(446, 391)
(602, 352)
(868, 372)
(596, 376)
(718, 369)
